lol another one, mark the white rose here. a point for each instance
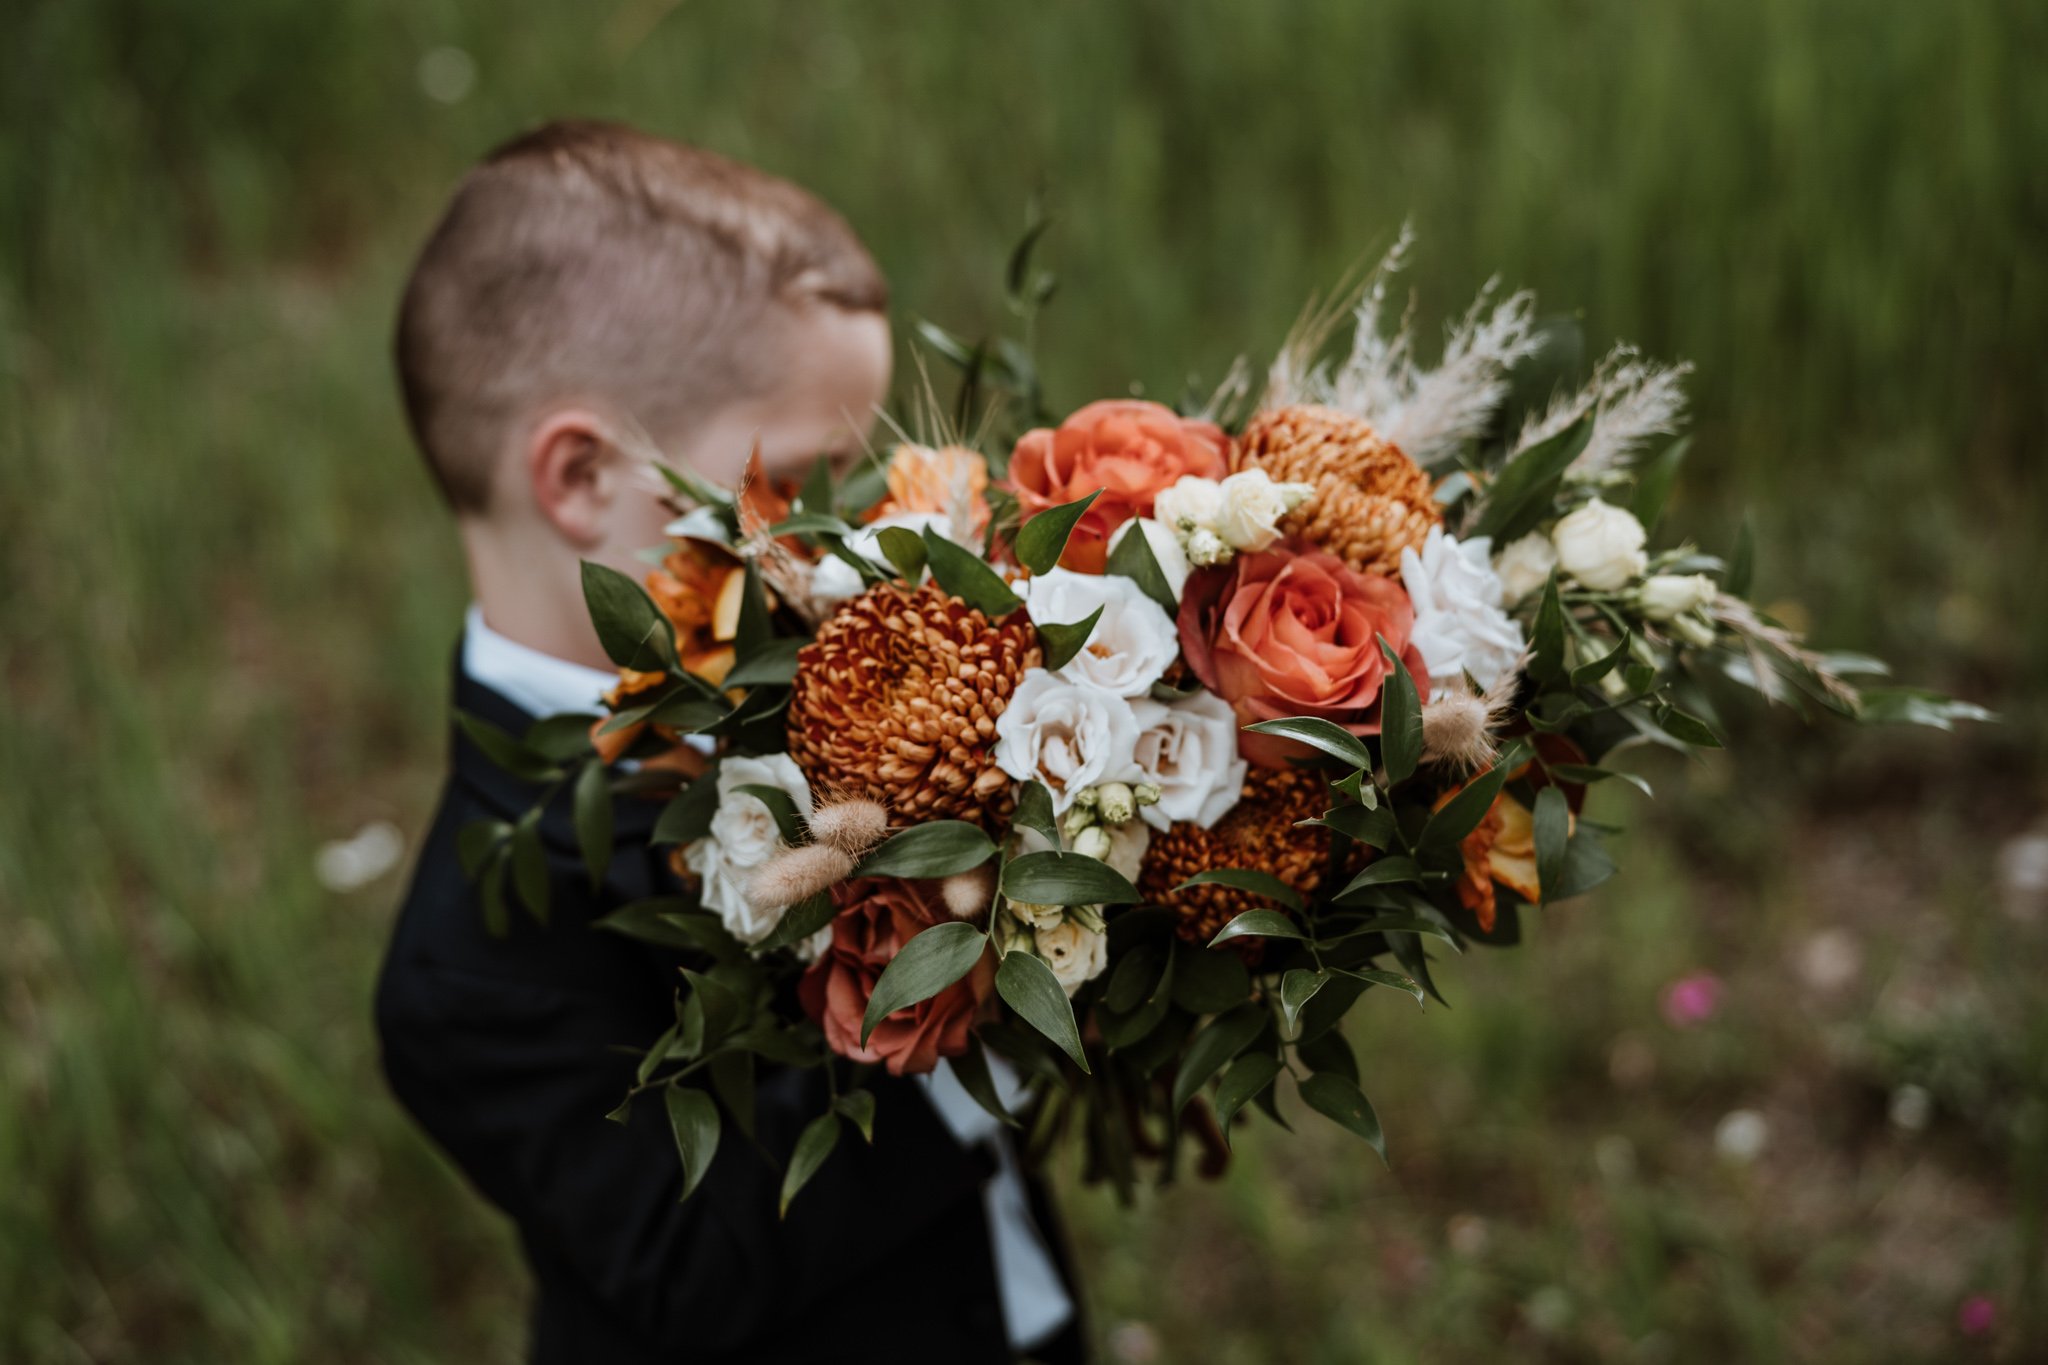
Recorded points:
(1664, 596)
(1459, 625)
(1076, 953)
(1189, 751)
(1252, 505)
(1191, 504)
(1166, 549)
(1525, 566)
(1068, 735)
(834, 580)
(743, 836)
(1133, 644)
(1601, 545)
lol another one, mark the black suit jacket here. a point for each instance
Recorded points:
(510, 1051)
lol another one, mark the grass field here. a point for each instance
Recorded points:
(227, 598)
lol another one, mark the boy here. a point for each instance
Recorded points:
(593, 292)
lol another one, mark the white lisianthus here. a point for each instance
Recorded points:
(1069, 735)
(1127, 845)
(1459, 625)
(1166, 549)
(1133, 644)
(1037, 916)
(1601, 545)
(743, 836)
(1524, 566)
(1189, 751)
(1252, 505)
(1191, 504)
(1694, 628)
(834, 580)
(1664, 596)
(1076, 953)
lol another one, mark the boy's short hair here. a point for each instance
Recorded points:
(593, 262)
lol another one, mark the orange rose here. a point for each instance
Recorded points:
(950, 481)
(1293, 631)
(1127, 448)
(877, 916)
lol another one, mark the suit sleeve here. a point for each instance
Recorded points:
(514, 1079)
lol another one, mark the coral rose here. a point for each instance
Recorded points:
(1129, 449)
(877, 916)
(1295, 631)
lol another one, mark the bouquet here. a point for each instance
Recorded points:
(1141, 748)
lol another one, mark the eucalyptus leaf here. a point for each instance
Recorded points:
(1258, 924)
(905, 549)
(1132, 558)
(1382, 872)
(1218, 1041)
(1062, 642)
(1654, 481)
(1459, 816)
(1400, 719)
(813, 1145)
(693, 1118)
(1546, 638)
(1053, 878)
(962, 573)
(1041, 540)
(858, 1108)
(937, 849)
(1324, 735)
(1374, 827)
(931, 961)
(1028, 986)
(1552, 822)
(1297, 988)
(1246, 879)
(629, 626)
(1249, 1075)
(1335, 1097)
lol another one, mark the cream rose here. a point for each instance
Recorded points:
(1459, 625)
(1524, 566)
(1664, 596)
(743, 836)
(1191, 503)
(1076, 953)
(1134, 642)
(1252, 504)
(1166, 549)
(834, 580)
(1069, 735)
(1189, 751)
(1600, 545)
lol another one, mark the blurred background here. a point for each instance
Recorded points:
(1780, 1092)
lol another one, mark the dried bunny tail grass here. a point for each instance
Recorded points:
(1761, 638)
(1632, 400)
(797, 873)
(1458, 728)
(852, 826)
(967, 894)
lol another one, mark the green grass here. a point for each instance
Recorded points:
(227, 599)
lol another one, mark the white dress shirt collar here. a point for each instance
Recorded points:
(538, 684)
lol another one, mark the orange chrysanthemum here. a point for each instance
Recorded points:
(1371, 501)
(1257, 834)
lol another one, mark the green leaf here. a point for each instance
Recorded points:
(1052, 878)
(1374, 976)
(1586, 865)
(1585, 775)
(1552, 819)
(789, 821)
(800, 921)
(961, 572)
(905, 549)
(563, 738)
(1030, 988)
(930, 962)
(1382, 872)
(593, 807)
(693, 1117)
(1657, 477)
(1329, 1052)
(1400, 719)
(1326, 1011)
(1034, 811)
(1585, 675)
(513, 755)
(1546, 639)
(1248, 1076)
(1137, 975)
(858, 1107)
(688, 817)
(1522, 493)
(1687, 728)
(1245, 879)
(1396, 924)
(1062, 642)
(1258, 924)
(1206, 981)
(813, 1145)
(771, 665)
(477, 842)
(732, 1078)
(1041, 540)
(1459, 816)
(971, 1068)
(810, 523)
(1373, 827)
(937, 849)
(1742, 563)
(631, 628)
(1334, 1097)
(1133, 559)
(1297, 988)
(530, 867)
(1221, 1039)
(1328, 736)
(671, 922)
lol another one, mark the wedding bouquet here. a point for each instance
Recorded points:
(1138, 749)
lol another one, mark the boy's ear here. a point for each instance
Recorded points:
(574, 474)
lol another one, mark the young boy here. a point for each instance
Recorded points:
(590, 294)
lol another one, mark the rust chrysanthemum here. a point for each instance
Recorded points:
(1371, 501)
(1257, 834)
(897, 699)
